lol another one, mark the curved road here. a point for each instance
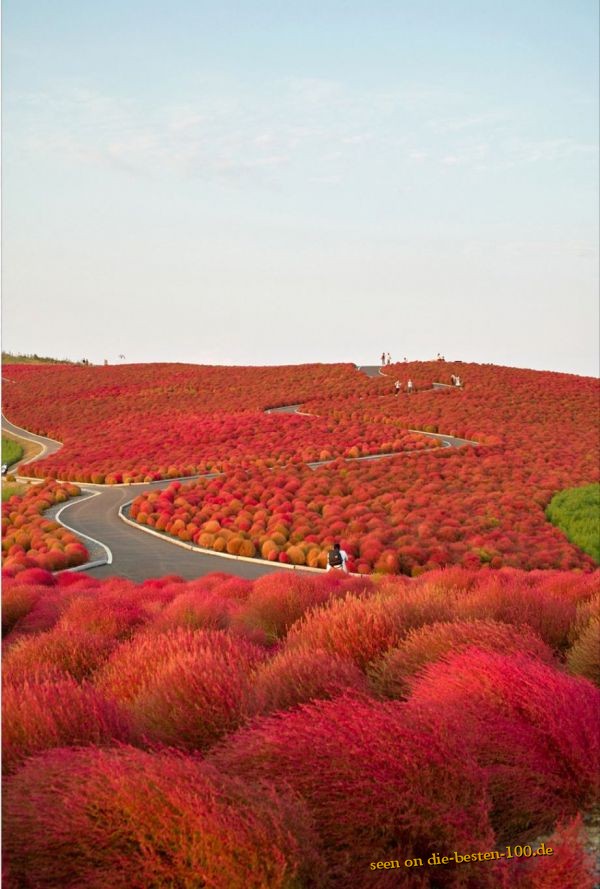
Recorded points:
(132, 552)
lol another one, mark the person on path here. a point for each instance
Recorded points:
(389, 358)
(410, 387)
(337, 558)
(453, 379)
(382, 358)
(397, 387)
(457, 381)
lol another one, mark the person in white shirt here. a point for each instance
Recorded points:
(337, 558)
(409, 387)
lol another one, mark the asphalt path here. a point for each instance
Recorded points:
(132, 552)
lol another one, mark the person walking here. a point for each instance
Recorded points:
(409, 387)
(457, 381)
(382, 358)
(337, 558)
(397, 387)
(389, 358)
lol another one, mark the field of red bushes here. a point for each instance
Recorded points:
(144, 422)
(429, 507)
(141, 422)
(29, 540)
(287, 732)
(399, 515)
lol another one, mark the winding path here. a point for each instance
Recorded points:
(117, 548)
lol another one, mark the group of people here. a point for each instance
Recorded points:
(398, 387)
(386, 359)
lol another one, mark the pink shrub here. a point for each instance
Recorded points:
(361, 629)
(377, 787)
(17, 601)
(76, 653)
(38, 716)
(182, 688)
(36, 576)
(506, 598)
(278, 600)
(392, 674)
(295, 677)
(450, 581)
(533, 728)
(103, 612)
(231, 587)
(578, 588)
(43, 614)
(121, 819)
(196, 610)
(355, 629)
(75, 578)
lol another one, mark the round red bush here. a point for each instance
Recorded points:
(377, 787)
(182, 688)
(38, 716)
(296, 677)
(75, 653)
(120, 819)
(533, 728)
(392, 674)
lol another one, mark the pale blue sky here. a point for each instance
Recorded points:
(274, 182)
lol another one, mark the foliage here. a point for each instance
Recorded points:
(118, 819)
(31, 541)
(576, 511)
(393, 673)
(377, 787)
(11, 451)
(493, 741)
(533, 729)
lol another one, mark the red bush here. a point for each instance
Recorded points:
(392, 674)
(569, 865)
(102, 612)
(513, 598)
(196, 610)
(278, 600)
(377, 788)
(363, 628)
(295, 677)
(17, 601)
(533, 728)
(76, 653)
(182, 688)
(38, 716)
(121, 819)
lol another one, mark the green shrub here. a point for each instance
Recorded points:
(11, 451)
(576, 511)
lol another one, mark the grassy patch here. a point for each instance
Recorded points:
(9, 489)
(576, 511)
(11, 451)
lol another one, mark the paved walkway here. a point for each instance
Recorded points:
(135, 554)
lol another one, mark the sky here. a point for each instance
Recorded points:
(274, 182)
